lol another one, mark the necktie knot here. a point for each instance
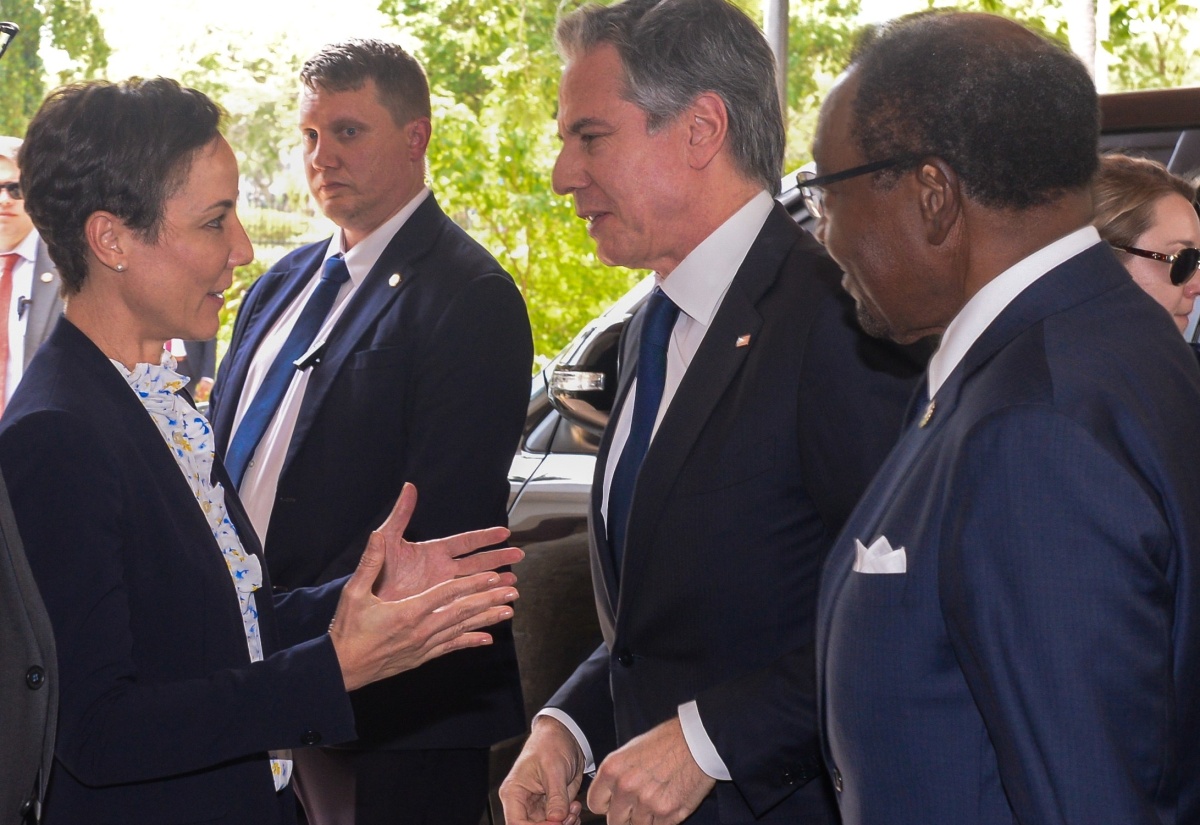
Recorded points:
(336, 270)
(10, 262)
(660, 320)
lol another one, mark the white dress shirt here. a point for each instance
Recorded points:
(697, 286)
(261, 481)
(22, 287)
(979, 312)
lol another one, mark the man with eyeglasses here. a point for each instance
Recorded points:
(29, 299)
(1009, 624)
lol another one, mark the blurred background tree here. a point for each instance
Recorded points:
(69, 26)
(494, 77)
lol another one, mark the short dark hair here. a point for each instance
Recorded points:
(1011, 111)
(400, 81)
(124, 148)
(1125, 192)
(675, 50)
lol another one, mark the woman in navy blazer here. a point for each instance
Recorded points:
(184, 678)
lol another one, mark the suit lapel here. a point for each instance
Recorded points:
(44, 304)
(602, 563)
(713, 369)
(1087, 275)
(391, 276)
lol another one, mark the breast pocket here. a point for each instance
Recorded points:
(738, 461)
(384, 358)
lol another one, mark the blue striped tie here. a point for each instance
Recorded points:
(279, 376)
(651, 379)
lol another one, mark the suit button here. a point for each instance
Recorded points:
(625, 658)
(837, 780)
(35, 677)
(310, 737)
(788, 778)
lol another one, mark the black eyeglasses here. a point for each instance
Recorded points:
(812, 185)
(13, 189)
(1183, 263)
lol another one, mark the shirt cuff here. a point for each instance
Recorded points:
(698, 742)
(589, 761)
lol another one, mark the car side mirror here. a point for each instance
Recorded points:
(581, 396)
(583, 379)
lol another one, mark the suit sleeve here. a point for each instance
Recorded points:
(1061, 616)
(587, 699)
(116, 725)
(852, 395)
(307, 612)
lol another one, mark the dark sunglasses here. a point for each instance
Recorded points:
(13, 189)
(1183, 263)
(812, 185)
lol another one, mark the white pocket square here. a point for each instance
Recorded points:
(879, 557)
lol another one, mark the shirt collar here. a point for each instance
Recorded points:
(362, 258)
(27, 248)
(701, 280)
(983, 308)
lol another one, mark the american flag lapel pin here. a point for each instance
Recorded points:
(743, 341)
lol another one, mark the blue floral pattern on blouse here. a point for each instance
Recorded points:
(190, 438)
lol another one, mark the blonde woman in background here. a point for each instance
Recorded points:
(1147, 214)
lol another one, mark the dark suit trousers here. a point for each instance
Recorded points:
(408, 787)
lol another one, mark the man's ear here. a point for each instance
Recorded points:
(106, 235)
(417, 133)
(940, 198)
(707, 124)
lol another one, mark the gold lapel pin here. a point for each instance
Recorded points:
(47, 277)
(928, 413)
(743, 341)
(394, 281)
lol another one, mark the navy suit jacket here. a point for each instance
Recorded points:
(162, 717)
(1039, 660)
(759, 459)
(424, 380)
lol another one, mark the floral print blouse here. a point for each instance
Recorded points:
(190, 438)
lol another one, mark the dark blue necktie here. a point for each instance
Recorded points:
(651, 378)
(279, 376)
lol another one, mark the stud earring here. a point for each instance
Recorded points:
(119, 267)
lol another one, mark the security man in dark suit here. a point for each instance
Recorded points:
(415, 367)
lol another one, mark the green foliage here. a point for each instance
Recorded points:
(243, 277)
(495, 89)
(257, 84)
(1146, 40)
(76, 30)
(72, 27)
(272, 227)
(821, 35)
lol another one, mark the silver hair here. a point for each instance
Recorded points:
(675, 50)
